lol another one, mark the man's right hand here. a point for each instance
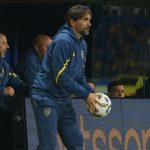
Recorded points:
(9, 91)
(91, 100)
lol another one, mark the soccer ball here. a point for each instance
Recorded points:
(106, 105)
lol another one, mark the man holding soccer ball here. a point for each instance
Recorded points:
(62, 75)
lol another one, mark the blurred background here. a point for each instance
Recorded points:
(121, 46)
(118, 45)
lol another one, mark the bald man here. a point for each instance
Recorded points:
(35, 56)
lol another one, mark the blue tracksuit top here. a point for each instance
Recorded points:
(63, 68)
(9, 78)
(33, 65)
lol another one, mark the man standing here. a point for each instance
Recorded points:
(63, 75)
(10, 84)
(35, 56)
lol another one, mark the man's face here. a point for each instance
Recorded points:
(3, 45)
(43, 45)
(117, 92)
(82, 25)
(92, 85)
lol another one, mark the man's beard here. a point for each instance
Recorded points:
(85, 32)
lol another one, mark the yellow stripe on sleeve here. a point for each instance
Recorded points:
(61, 70)
(13, 74)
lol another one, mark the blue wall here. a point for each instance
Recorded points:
(127, 127)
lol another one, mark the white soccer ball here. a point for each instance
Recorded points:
(106, 105)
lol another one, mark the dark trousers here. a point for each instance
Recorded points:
(6, 138)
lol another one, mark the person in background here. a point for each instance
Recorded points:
(10, 85)
(144, 91)
(62, 76)
(115, 89)
(34, 57)
(92, 84)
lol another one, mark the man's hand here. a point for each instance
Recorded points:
(91, 100)
(9, 91)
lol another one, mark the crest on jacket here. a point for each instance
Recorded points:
(47, 111)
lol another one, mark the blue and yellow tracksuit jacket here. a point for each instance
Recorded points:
(63, 68)
(33, 65)
(9, 78)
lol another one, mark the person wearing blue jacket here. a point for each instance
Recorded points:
(34, 57)
(10, 85)
(62, 76)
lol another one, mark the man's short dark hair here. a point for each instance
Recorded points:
(114, 83)
(2, 34)
(76, 12)
(90, 81)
